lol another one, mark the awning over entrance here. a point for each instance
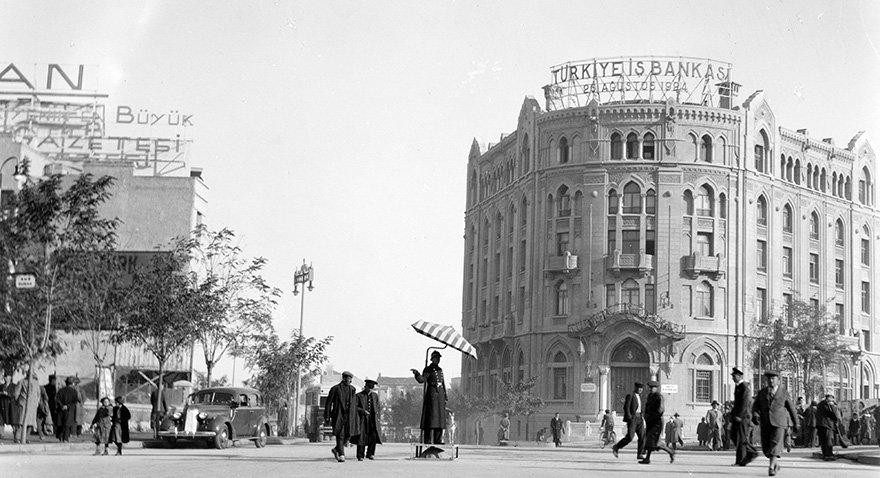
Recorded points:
(601, 321)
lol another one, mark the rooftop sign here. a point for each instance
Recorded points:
(648, 78)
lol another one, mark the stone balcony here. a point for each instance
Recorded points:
(566, 264)
(617, 262)
(697, 264)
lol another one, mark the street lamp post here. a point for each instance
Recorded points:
(305, 274)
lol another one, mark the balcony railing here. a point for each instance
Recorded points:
(617, 262)
(696, 264)
(564, 263)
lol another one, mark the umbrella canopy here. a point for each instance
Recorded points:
(445, 334)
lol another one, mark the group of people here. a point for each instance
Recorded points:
(29, 407)
(110, 425)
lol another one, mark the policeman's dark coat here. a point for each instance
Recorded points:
(434, 402)
(341, 410)
(368, 424)
(742, 401)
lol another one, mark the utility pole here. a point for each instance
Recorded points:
(305, 274)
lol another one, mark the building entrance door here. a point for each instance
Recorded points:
(629, 364)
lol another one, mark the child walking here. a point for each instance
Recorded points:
(121, 416)
(101, 426)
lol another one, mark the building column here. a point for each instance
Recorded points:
(604, 391)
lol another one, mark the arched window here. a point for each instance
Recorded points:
(690, 148)
(782, 164)
(816, 178)
(834, 183)
(506, 375)
(688, 202)
(762, 149)
(797, 171)
(706, 149)
(705, 300)
(523, 215)
(629, 293)
(786, 218)
(520, 367)
(616, 146)
(560, 368)
(561, 298)
(499, 225)
(563, 202)
(563, 150)
(839, 234)
(823, 181)
(511, 219)
(809, 175)
(722, 206)
(650, 202)
(789, 168)
(613, 202)
(632, 146)
(840, 186)
(865, 187)
(814, 226)
(704, 373)
(648, 146)
(632, 199)
(526, 154)
(847, 188)
(705, 202)
(761, 211)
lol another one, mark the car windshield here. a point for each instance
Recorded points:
(212, 398)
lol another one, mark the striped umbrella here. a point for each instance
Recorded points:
(445, 334)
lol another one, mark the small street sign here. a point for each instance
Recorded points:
(588, 387)
(669, 388)
(25, 281)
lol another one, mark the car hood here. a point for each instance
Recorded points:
(211, 410)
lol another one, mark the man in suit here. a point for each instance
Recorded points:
(741, 427)
(654, 424)
(635, 424)
(774, 412)
(826, 424)
(340, 412)
(556, 428)
(368, 410)
(713, 418)
(809, 424)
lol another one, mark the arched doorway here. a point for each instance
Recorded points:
(629, 364)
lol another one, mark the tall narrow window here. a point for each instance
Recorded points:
(866, 248)
(722, 206)
(616, 146)
(610, 296)
(650, 299)
(630, 242)
(563, 202)
(786, 218)
(651, 202)
(648, 146)
(761, 304)
(814, 268)
(704, 244)
(786, 262)
(687, 300)
(632, 199)
(704, 299)
(762, 211)
(521, 304)
(704, 202)
(706, 149)
(787, 312)
(632, 146)
(839, 273)
(866, 297)
(563, 150)
(761, 147)
(561, 299)
(650, 242)
(841, 318)
(612, 241)
(523, 215)
(629, 293)
(560, 373)
(613, 202)
(688, 199)
(814, 226)
(522, 255)
(761, 255)
(562, 243)
(839, 234)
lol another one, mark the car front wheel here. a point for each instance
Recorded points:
(261, 437)
(221, 439)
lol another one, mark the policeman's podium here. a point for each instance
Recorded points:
(427, 451)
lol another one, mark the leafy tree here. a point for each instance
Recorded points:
(275, 363)
(242, 302)
(466, 406)
(46, 224)
(165, 308)
(201, 381)
(805, 333)
(404, 410)
(518, 399)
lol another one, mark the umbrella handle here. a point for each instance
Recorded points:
(429, 349)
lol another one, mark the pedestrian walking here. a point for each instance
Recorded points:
(368, 413)
(66, 401)
(741, 423)
(635, 423)
(101, 425)
(654, 424)
(340, 412)
(607, 427)
(27, 393)
(774, 412)
(713, 420)
(826, 424)
(801, 408)
(702, 432)
(51, 393)
(433, 420)
(668, 432)
(556, 429)
(504, 430)
(865, 427)
(677, 431)
(44, 417)
(119, 432)
(809, 432)
(853, 431)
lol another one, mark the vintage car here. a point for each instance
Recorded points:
(219, 416)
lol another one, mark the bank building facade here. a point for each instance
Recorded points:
(648, 222)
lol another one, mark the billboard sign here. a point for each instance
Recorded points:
(632, 79)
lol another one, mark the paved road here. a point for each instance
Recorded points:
(314, 460)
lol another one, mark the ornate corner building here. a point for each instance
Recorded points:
(634, 236)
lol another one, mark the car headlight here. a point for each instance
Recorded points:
(176, 416)
(202, 416)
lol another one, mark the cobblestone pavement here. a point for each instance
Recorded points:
(315, 460)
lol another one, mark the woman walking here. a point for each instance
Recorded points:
(120, 419)
(101, 425)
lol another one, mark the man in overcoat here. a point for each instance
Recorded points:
(774, 412)
(741, 423)
(340, 412)
(67, 399)
(368, 411)
(434, 402)
(635, 424)
(556, 428)
(713, 418)
(826, 424)
(654, 424)
(51, 390)
(809, 423)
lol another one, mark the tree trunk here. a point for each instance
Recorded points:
(159, 401)
(210, 365)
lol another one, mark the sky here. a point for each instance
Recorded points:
(338, 132)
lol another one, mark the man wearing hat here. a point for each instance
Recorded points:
(713, 418)
(774, 411)
(635, 424)
(434, 403)
(741, 428)
(368, 411)
(654, 424)
(67, 399)
(826, 424)
(340, 412)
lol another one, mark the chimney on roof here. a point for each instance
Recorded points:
(828, 140)
(803, 132)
